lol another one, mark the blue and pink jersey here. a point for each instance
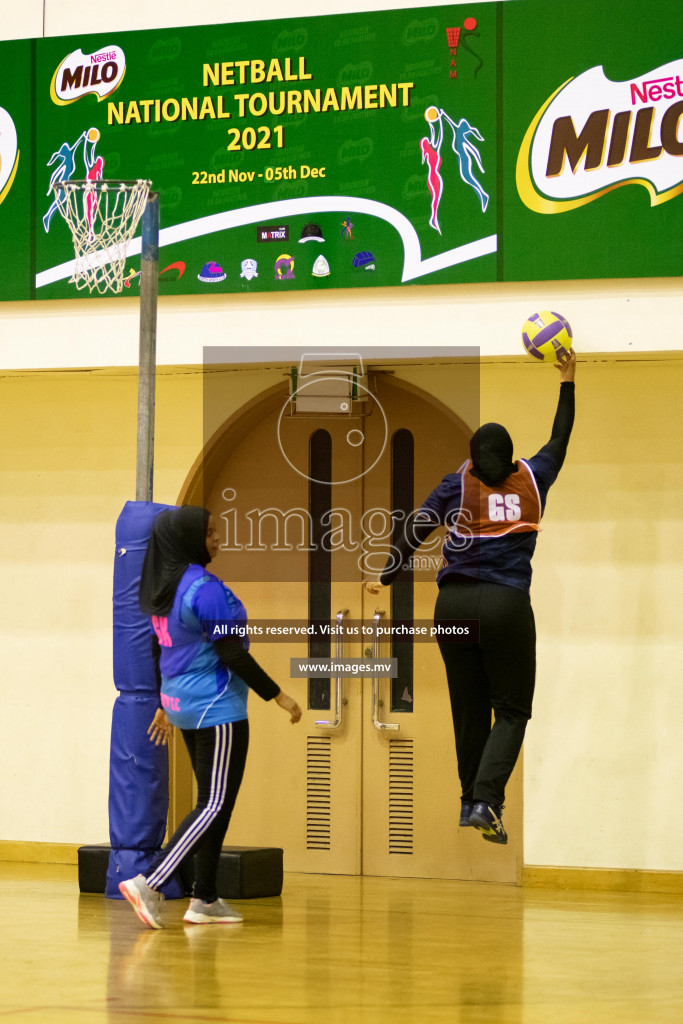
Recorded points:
(197, 690)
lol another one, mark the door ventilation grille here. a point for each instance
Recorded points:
(401, 796)
(318, 792)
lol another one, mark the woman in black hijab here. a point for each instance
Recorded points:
(492, 508)
(179, 538)
(203, 691)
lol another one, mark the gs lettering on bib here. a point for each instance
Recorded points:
(512, 507)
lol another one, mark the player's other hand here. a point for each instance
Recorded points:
(567, 365)
(160, 729)
(290, 705)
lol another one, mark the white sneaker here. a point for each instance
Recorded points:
(218, 912)
(145, 902)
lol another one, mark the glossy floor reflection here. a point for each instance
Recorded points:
(337, 949)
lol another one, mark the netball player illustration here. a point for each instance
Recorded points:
(204, 689)
(431, 155)
(466, 151)
(91, 200)
(65, 160)
(492, 508)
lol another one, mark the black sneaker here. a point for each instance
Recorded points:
(488, 820)
(466, 808)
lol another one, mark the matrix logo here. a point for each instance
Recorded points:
(268, 233)
(9, 153)
(81, 73)
(594, 135)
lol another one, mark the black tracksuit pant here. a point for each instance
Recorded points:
(218, 755)
(496, 675)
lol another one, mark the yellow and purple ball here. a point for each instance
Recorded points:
(547, 336)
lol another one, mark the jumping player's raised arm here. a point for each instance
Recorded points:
(547, 463)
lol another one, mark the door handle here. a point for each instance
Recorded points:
(339, 653)
(381, 726)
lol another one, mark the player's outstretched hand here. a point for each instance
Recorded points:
(290, 705)
(160, 730)
(373, 586)
(567, 365)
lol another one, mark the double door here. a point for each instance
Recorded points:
(367, 783)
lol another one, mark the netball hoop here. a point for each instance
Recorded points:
(103, 217)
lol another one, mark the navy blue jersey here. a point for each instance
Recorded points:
(197, 690)
(470, 549)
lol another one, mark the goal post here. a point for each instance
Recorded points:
(149, 290)
(102, 217)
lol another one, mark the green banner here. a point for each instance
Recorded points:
(514, 141)
(16, 178)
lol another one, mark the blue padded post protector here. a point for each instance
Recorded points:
(138, 771)
(133, 664)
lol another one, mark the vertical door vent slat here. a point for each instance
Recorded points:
(401, 767)
(318, 792)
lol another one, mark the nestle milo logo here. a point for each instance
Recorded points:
(355, 74)
(594, 135)
(80, 74)
(291, 39)
(420, 31)
(355, 149)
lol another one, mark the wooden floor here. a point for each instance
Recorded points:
(338, 949)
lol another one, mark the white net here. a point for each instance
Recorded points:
(102, 217)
